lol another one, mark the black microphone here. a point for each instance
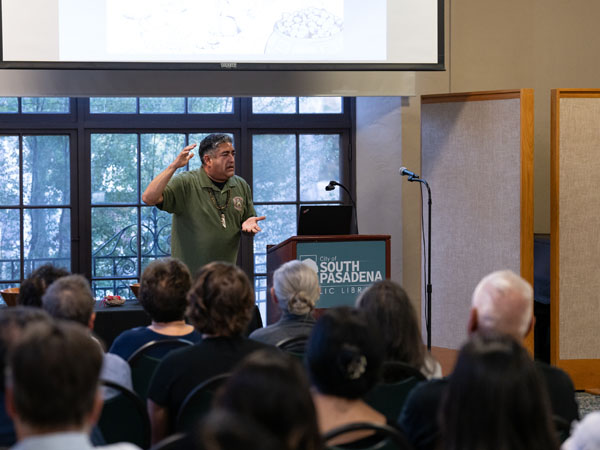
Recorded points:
(331, 186)
(404, 171)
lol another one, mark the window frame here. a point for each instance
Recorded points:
(242, 123)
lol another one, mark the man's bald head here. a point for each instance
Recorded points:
(502, 303)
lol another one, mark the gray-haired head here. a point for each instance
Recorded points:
(296, 286)
(210, 143)
(503, 302)
(70, 298)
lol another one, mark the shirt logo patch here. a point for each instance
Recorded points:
(238, 203)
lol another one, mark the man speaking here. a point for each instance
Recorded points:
(210, 205)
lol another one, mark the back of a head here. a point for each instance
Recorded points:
(163, 289)
(222, 429)
(495, 399)
(388, 305)
(297, 288)
(13, 322)
(70, 298)
(504, 304)
(221, 300)
(53, 371)
(271, 389)
(33, 287)
(344, 353)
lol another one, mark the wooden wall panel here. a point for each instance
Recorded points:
(477, 155)
(575, 223)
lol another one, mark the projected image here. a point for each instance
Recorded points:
(241, 29)
(309, 31)
(268, 34)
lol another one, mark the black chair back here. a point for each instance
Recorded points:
(389, 398)
(198, 403)
(124, 418)
(296, 345)
(145, 360)
(383, 437)
(177, 441)
(394, 371)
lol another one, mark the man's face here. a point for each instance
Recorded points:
(220, 164)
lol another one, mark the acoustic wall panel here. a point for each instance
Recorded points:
(477, 155)
(575, 246)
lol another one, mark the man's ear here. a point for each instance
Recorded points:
(531, 325)
(273, 296)
(92, 320)
(472, 323)
(94, 414)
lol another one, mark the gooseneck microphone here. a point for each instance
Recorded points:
(331, 186)
(405, 172)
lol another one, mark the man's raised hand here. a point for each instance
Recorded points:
(183, 157)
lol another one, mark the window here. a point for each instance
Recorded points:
(289, 169)
(35, 199)
(72, 185)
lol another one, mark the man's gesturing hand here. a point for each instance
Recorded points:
(251, 224)
(183, 158)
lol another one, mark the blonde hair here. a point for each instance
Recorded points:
(297, 288)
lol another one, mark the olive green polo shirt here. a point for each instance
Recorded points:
(197, 234)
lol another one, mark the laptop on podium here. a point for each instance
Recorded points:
(317, 220)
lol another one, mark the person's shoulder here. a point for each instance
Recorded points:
(261, 333)
(194, 336)
(279, 331)
(237, 180)
(249, 345)
(554, 375)
(255, 343)
(113, 359)
(128, 341)
(132, 333)
(427, 391)
(188, 177)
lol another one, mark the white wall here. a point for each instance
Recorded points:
(378, 184)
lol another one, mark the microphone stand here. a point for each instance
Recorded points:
(428, 288)
(330, 188)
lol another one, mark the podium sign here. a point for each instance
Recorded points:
(346, 265)
(344, 268)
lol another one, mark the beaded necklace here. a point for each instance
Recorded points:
(220, 208)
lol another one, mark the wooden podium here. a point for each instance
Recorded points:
(346, 264)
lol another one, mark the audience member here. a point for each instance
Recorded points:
(495, 400)
(33, 287)
(344, 357)
(163, 287)
(12, 323)
(296, 291)
(586, 434)
(271, 390)
(225, 430)
(389, 307)
(71, 298)
(52, 390)
(502, 303)
(220, 305)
